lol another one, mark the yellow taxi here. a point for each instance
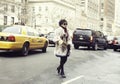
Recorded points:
(22, 38)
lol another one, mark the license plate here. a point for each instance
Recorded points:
(81, 38)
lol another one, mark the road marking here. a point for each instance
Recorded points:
(72, 79)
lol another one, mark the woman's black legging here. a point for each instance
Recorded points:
(62, 62)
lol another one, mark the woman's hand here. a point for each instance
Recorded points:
(63, 36)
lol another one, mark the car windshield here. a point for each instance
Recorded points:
(15, 30)
(110, 37)
(50, 35)
(83, 32)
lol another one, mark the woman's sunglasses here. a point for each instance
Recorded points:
(64, 23)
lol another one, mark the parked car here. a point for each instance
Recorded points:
(110, 41)
(50, 37)
(116, 44)
(89, 38)
(22, 38)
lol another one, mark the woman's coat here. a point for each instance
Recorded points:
(61, 43)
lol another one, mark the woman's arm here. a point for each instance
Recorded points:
(57, 35)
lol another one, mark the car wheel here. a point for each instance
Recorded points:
(88, 47)
(44, 49)
(95, 46)
(105, 47)
(76, 46)
(54, 44)
(25, 49)
(115, 49)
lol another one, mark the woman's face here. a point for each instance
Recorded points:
(64, 25)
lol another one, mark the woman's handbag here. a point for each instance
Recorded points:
(68, 49)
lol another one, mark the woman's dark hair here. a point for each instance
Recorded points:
(62, 21)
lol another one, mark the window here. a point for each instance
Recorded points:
(12, 20)
(25, 1)
(102, 19)
(30, 31)
(13, 8)
(33, 9)
(22, 1)
(46, 20)
(40, 8)
(36, 33)
(46, 8)
(51, 35)
(15, 30)
(102, 5)
(83, 32)
(5, 7)
(5, 20)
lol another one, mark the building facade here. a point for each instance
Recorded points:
(116, 30)
(45, 14)
(107, 16)
(80, 14)
(93, 14)
(90, 14)
(10, 12)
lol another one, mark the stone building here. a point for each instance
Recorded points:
(90, 14)
(107, 16)
(116, 30)
(10, 12)
(45, 14)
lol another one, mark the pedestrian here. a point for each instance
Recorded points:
(62, 45)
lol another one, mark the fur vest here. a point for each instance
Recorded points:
(61, 43)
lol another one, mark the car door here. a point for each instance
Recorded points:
(31, 37)
(39, 40)
(101, 40)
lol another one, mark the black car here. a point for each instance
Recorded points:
(89, 38)
(116, 44)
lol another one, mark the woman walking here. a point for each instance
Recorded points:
(62, 45)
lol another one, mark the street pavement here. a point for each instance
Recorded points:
(82, 67)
